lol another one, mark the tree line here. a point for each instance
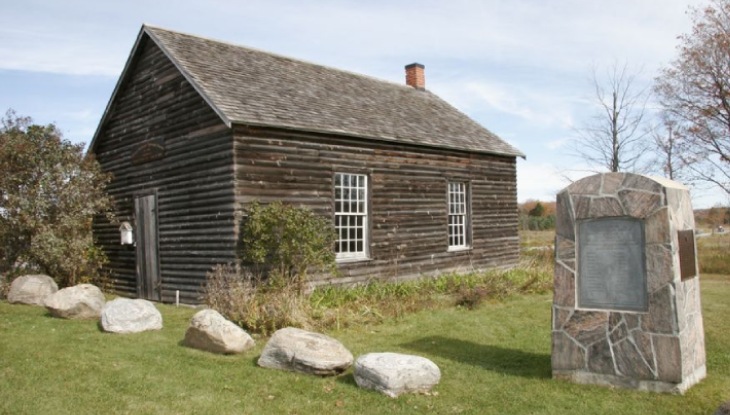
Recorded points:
(536, 215)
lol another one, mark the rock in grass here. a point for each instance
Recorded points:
(123, 315)
(83, 301)
(298, 350)
(394, 374)
(724, 409)
(31, 289)
(210, 331)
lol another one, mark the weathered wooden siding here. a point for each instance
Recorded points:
(408, 197)
(193, 181)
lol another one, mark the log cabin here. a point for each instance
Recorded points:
(197, 129)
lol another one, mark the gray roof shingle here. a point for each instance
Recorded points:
(248, 86)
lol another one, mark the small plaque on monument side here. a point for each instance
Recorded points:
(611, 264)
(687, 256)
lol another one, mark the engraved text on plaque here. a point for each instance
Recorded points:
(611, 264)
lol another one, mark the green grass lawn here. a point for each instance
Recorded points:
(494, 360)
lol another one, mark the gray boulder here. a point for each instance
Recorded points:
(31, 289)
(724, 409)
(83, 301)
(210, 331)
(123, 315)
(394, 374)
(298, 350)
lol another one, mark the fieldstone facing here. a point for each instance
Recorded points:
(661, 349)
(31, 289)
(124, 315)
(298, 350)
(83, 301)
(211, 332)
(394, 374)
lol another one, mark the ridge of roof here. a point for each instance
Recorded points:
(238, 83)
(274, 54)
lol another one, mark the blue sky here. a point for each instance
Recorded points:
(521, 68)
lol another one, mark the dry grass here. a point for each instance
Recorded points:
(256, 306)
(264, 307)
(536, 239)
(714, 254)
(338, 307)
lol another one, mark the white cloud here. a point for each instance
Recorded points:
(88, 37)
(540, 107)
(539, 181)
(59, 51)
(543, 180)
(558, 143)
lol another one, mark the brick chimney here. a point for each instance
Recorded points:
(415, 76)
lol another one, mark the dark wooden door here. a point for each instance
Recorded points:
(148, 266)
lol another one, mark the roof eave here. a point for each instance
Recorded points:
(390, 140)
(120, 81)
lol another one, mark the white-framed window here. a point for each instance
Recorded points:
(458, 216)
(351, 215)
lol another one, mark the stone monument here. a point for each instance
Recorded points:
(626, 306)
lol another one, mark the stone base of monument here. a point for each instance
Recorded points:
(626, 305)
(615, 381)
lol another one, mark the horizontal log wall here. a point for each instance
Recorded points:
(407, 194)
(193, 180)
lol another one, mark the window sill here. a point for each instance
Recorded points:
(459, 249)
(352, 259)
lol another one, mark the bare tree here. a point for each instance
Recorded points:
(613, 139)
(695, 88)
(667, 148)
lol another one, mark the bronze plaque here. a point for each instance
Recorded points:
(612, 264)
(687, 254)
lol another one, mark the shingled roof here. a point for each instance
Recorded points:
(252, 87)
